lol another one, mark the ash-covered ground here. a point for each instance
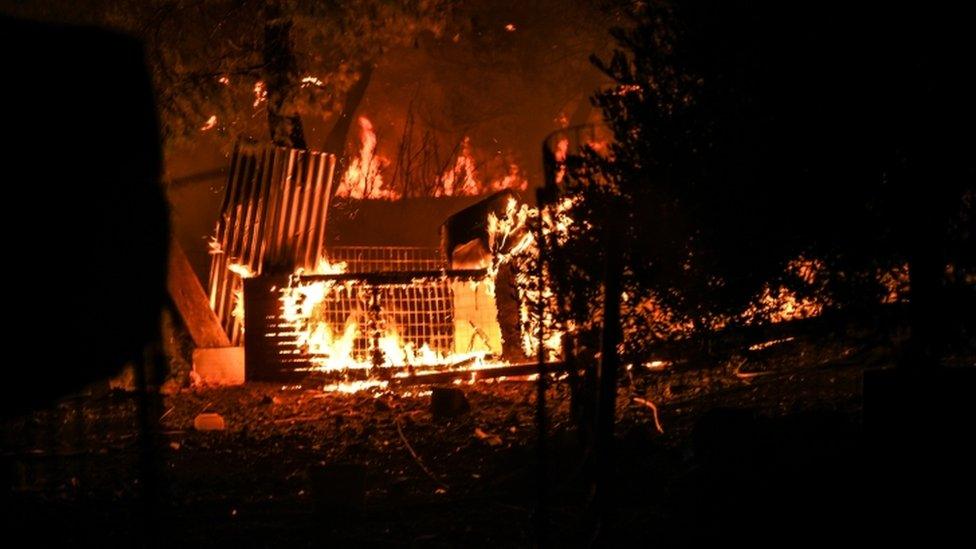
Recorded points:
(744, 441)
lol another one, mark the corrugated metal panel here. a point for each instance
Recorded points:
(273, 217)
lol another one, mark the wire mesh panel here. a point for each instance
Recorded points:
(384, 292)
(419, 312)
(379, 259)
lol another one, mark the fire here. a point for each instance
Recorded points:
(512, 240)
(214, 247)
(896, 283)
(782, 305)
(363, 178)
(331, 347)
(462, 178)
(513, 180)
(260, 93)
(350, 387)
(241, 270)
(459, 180)
(210, 123)
(312, 81)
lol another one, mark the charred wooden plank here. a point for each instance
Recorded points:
(191, 302)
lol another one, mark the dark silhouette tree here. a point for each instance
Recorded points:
(750, 134)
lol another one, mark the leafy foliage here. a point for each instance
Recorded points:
(754, 148)
(206, 55)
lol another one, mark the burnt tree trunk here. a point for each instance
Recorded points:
(280, 76)
(335, 142)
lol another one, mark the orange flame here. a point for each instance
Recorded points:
(462, 178)
(363, 178)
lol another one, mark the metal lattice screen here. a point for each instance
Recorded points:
(421, 312)
(381, 259)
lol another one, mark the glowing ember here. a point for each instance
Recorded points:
(312, 81)
(896, 282)
(350, 387)
(210, 123)
(260, 94)
(782, 305)
(649, 404)
(768, 344)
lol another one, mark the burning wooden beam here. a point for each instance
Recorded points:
(191, 302)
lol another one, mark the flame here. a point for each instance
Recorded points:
(238, 311)
(462, 178)
(459, 180)
(350, 387)
(210, 123)
(241, 270)
(512, 180)
(896, 283)
(512, 240)
(214, 247)
(260, 94)
(561, 152)
(331, 348)
(363, 178)
(782, 305)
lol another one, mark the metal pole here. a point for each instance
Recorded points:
(542, 512)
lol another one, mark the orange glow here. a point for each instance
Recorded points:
(241, 270)
(312, 81)
(210, 123)
(462, 179)
(653, 408)
(260, 94)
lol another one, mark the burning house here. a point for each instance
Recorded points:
(367, 290)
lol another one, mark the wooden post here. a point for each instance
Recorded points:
(542, 511)
(191, 301)
(609, 366)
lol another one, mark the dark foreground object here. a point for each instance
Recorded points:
(87, 218)
(919, 427)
